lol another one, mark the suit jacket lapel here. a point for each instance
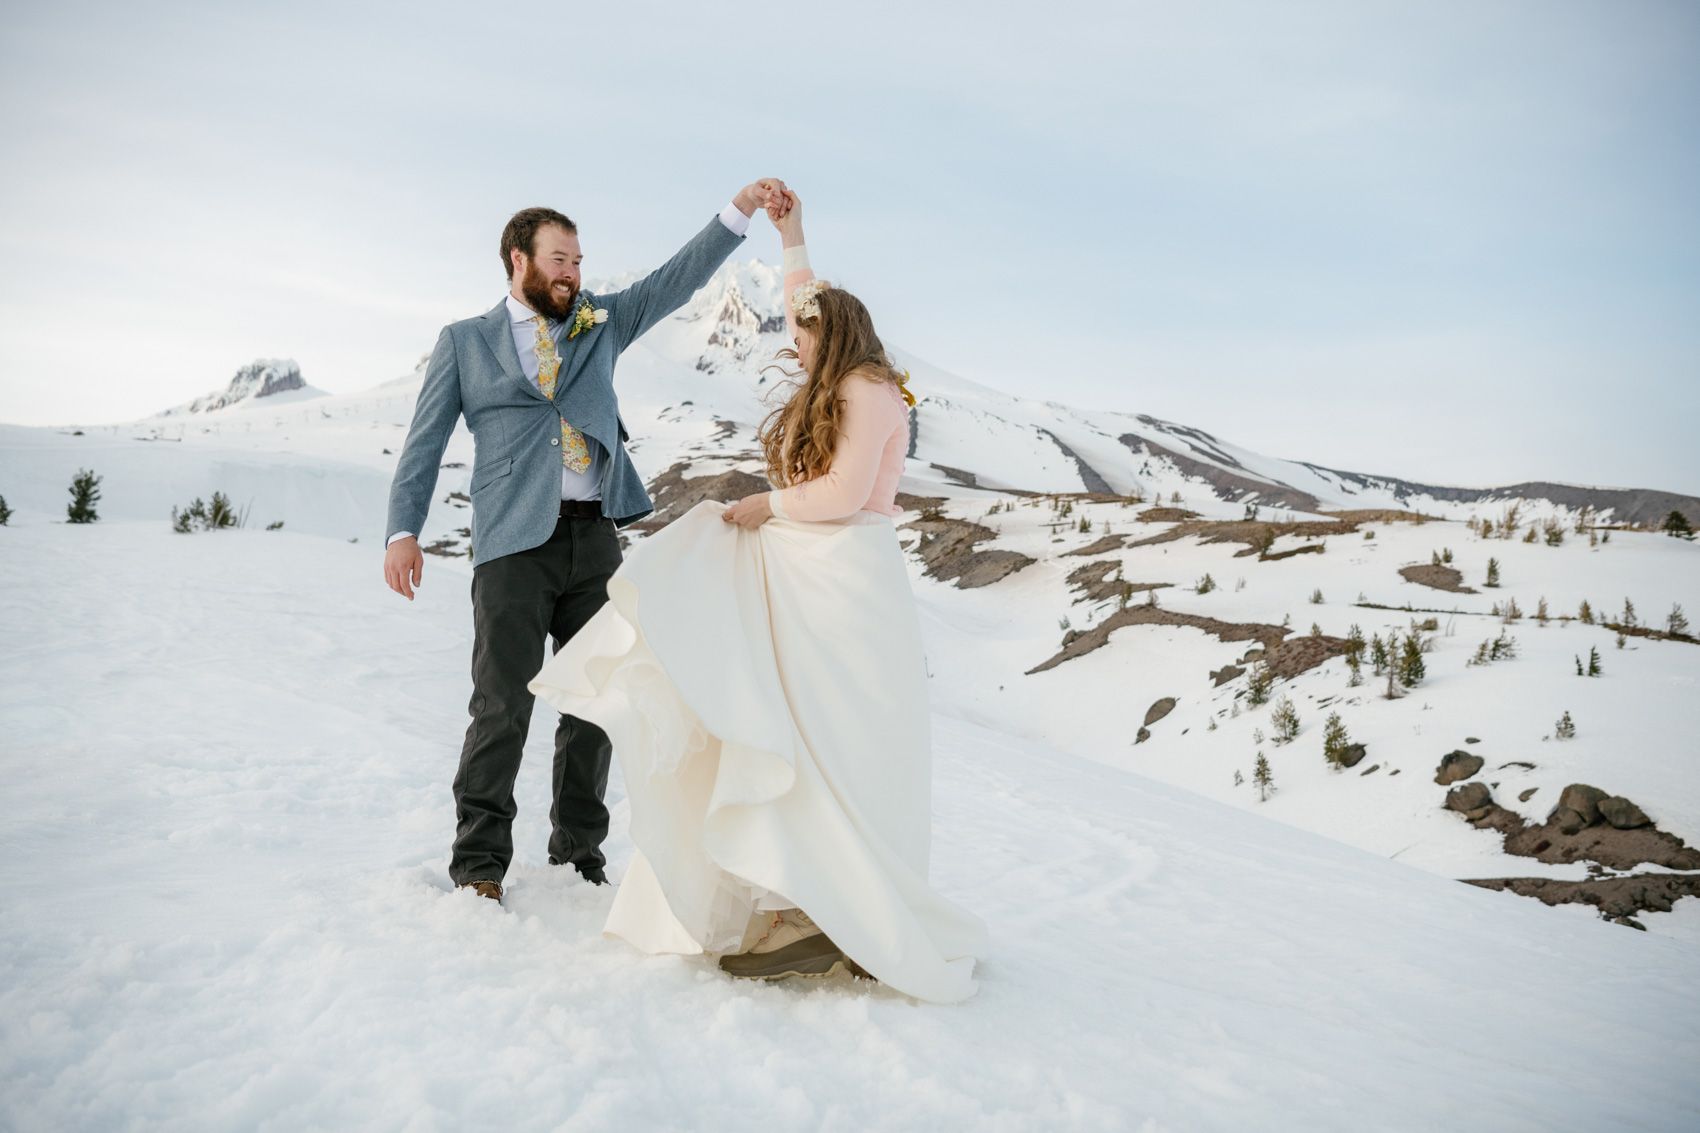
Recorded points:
(499, 336)
(567, 348)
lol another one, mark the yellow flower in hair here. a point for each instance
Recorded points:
(903, 388)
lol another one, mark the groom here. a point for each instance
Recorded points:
(551, 480)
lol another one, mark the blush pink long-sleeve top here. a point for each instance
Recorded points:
(873, 438)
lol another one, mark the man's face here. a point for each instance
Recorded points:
(549, 279)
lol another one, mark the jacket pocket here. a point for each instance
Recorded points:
(495, 470)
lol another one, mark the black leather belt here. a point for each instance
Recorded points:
(581, 509)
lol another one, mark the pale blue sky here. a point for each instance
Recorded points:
(1447, 241)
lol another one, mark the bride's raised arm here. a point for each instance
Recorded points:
(796, 262)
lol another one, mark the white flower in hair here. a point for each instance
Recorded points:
(804, 301)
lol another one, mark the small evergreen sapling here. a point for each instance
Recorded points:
(1258, 683)
(1492, 573)
(1594, 668)
(5, 512)
(1263, 778)
(1285, 721)
(1411, 666)
(1335, 741)
(85, 493)
(1565, 729)
(1206, 584)
(1675, 622)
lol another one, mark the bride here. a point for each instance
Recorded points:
(759, 669)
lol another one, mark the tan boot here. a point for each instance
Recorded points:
(793, 945)
(490, 889)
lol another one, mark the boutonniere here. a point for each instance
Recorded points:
(586, 317)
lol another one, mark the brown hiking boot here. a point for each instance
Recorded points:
(490, 889)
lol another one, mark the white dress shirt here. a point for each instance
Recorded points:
(584, 485)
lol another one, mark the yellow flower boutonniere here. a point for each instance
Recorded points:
(586, 317)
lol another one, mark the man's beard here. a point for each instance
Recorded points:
(545, 299)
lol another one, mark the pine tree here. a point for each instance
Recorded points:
(1586, 614)
(220, 513)
(1676, 525)
(1258, 684)
(1206, 584)
(1263, 778)
(1355, 663)
(1285, 721)
(1594, 669)
(1411, 667)
(1493, 573)
(1335, 740)
(1675, 622)
(1566, 727)
(1628, 616)
(1238, 778)
(1446, 555)
(85, 493)
(1541, 610)
(1316, 596)
(1378, 654)
(5, 512)
(1578, 658)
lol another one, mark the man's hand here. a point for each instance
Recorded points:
(750, 512)
(404, 565)
(768, 193)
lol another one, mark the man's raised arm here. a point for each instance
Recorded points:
(634, 310)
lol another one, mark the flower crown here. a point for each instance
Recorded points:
(805, 302)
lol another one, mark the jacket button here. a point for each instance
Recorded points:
(554, 440)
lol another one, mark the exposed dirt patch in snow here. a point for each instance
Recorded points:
(1436, 577)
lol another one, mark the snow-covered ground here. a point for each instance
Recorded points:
(227, 760)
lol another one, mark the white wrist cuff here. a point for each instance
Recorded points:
(734, 219)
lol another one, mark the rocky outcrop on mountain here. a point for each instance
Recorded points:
(1227, 485)
(1089, 476)
(1592, 826)
(1618, 899)
(266, 377)
(948, 547)
(673, 493)
(1456, 766)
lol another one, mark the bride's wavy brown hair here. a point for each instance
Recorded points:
(798, 438)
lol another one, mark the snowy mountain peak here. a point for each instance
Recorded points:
(741, 303)
(261, 378)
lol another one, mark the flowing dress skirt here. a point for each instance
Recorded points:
(766, 695)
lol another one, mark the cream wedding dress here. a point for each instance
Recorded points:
(767, 699)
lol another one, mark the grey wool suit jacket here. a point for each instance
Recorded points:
(516, 473)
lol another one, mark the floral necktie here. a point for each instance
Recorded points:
(575, 454)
